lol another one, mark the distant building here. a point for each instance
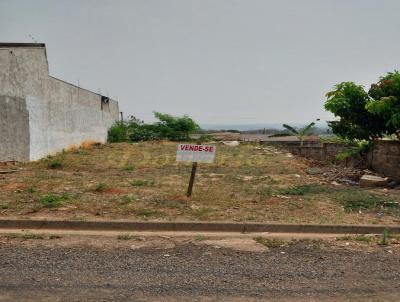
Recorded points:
(41, 115)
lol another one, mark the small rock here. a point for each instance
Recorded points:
(167, 255)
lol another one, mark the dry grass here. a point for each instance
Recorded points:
(142, 181)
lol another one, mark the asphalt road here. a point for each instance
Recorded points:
(190, 272)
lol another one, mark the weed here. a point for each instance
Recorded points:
(199, 238)
(296, 190)
(128, 168)
(4, 206)
(127, 199)
(124, 237)
(363, 238)
(53, 201)
(344, 238)
(385, 238)
(100, 187)
(31, 190)
(55, 162)
(353, 200)
(30, 236)
(270, 242)
(54, 237)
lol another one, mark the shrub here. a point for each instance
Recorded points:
(360, 150)
(168, 127)
(118, 133)
(55, 162)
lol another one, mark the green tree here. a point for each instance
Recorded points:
(175, 128)
(348, 102)
(385, 102)
(301, 133)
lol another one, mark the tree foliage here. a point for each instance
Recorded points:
(385, 101)
(167, 127)
(300, 133)
(348, 101)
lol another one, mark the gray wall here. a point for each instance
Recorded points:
(14, 129)
(384, 158)
(58, 114)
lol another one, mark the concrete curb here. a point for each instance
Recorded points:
(194, 226)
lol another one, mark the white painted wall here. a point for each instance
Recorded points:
(61, 115)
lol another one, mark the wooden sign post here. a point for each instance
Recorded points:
(191, 180)
(195, 154)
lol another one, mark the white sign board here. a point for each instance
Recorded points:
(196, 153)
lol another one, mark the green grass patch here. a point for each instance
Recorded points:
(353, 200)
(53, 200)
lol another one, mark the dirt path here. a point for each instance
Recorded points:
(163, 269)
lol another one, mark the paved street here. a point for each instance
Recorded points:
(193, 272)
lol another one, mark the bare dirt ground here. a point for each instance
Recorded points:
(50, 267)
(142, 181)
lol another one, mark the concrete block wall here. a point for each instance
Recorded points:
(384, 158)
(41, 115)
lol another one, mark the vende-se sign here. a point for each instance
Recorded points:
(196, 153)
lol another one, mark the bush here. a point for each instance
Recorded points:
(118, 133)
(360, 150)
(168, 127)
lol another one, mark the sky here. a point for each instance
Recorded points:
(219, 61)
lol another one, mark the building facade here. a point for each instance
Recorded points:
(41, 115)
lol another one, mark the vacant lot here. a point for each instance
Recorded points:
(142, 181)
